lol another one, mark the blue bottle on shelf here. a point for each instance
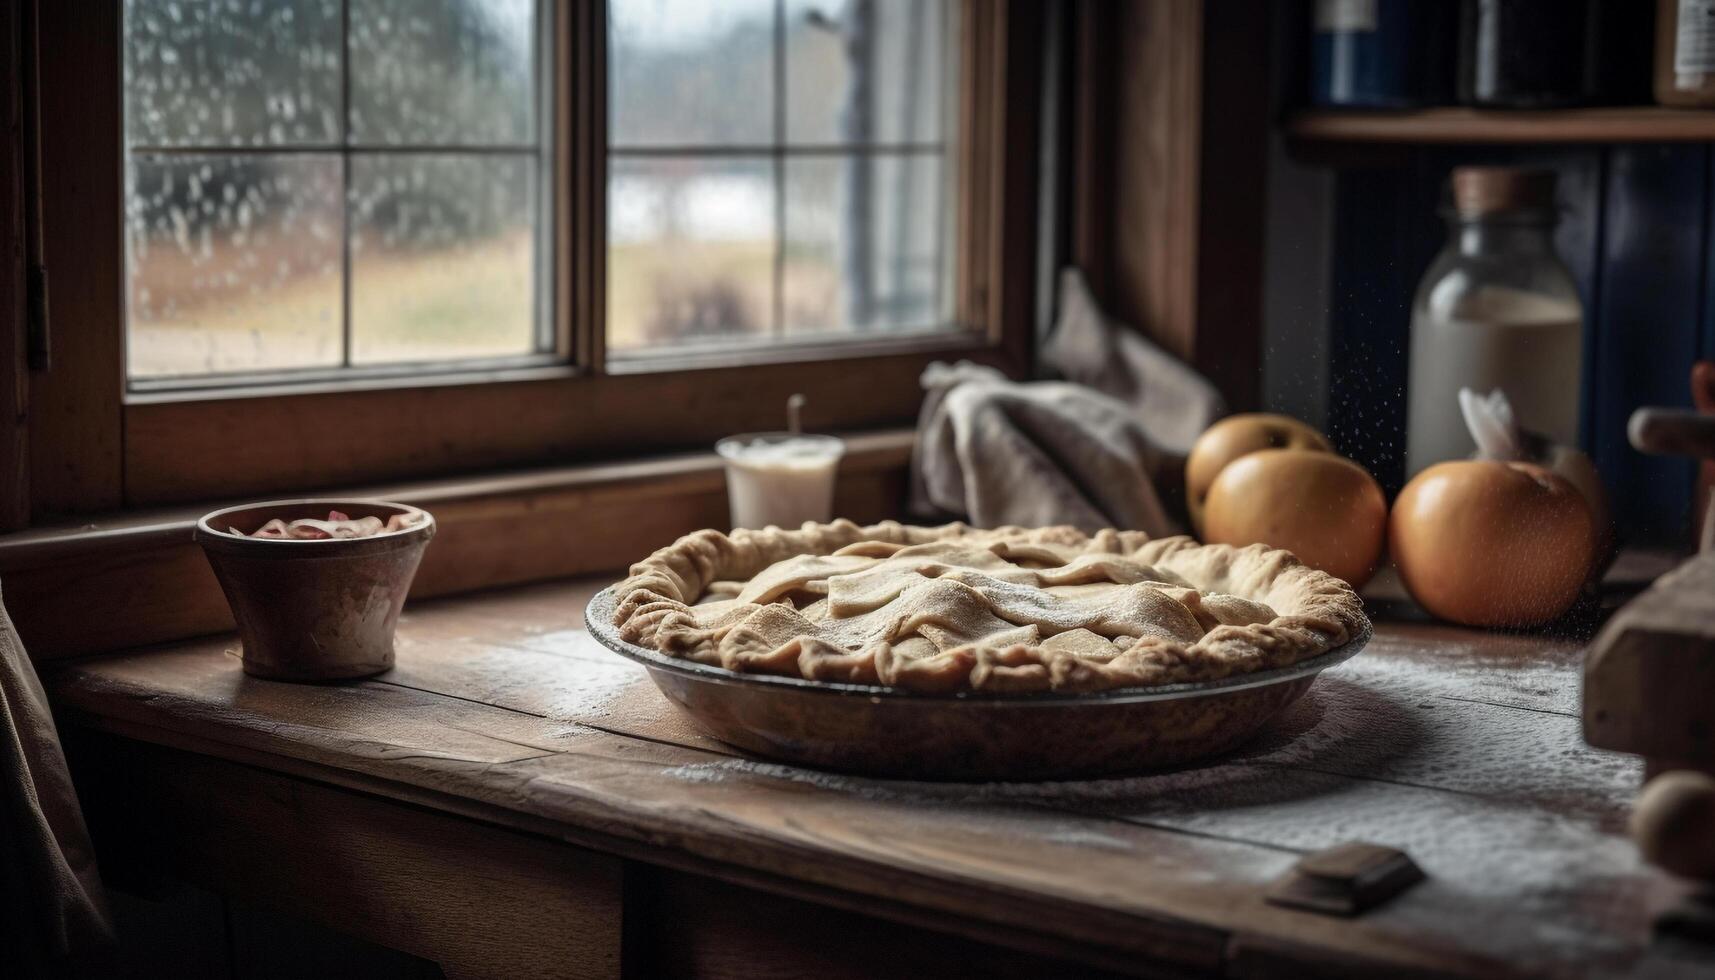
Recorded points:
(1382, 54)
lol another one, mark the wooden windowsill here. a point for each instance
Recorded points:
(148, 582)
(153, 527)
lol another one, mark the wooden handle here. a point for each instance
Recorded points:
(1672, 432)
(1703, 386)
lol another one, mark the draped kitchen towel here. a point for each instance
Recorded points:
(1172, 402)
(1105, 448)
(57, 912)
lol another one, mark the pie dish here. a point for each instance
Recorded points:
(957, 610)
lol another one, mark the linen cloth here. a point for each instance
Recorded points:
(57, 917)
(1104, 448)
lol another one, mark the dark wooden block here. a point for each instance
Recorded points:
(1692, 919)
(1649, 678)
(1347, 879)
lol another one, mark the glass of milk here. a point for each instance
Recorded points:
(780, 478)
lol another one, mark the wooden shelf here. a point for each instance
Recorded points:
(1642, 124)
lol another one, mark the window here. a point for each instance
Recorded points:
(323, 186)
(303, 244)
(779, 170)
(337, 187)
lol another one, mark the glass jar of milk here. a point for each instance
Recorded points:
(1496, 309)
(780, 479)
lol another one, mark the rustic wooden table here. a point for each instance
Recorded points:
(512, 800)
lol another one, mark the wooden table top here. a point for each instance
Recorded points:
(1462, 748)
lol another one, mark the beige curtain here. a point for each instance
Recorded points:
(56, 919)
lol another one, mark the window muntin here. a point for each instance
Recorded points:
(327, 186)
(779, 171)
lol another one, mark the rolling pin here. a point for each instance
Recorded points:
(1678, 432)
(1672, 432)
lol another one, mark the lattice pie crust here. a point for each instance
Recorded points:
(1010, 610)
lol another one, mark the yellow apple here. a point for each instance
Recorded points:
(1485, 543)
(1235, 436)
(1323, 508)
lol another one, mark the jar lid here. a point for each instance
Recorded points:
(1487, 190)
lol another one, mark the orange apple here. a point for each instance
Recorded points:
(1235, 436)
(1323, 508)
(1485, 543)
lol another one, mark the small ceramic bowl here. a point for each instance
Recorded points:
(316, 610)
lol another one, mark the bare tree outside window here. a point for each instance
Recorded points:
(779, 170)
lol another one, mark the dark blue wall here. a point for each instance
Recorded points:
(1635, 230)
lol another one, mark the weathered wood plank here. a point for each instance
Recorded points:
(712, 930)
(1399, 722)
(603, 784)
(75, 407)
(1159, 894)
(1509, 878)
(1375, 719)
(451, 890)
(1460, 126)
(1432, 706)
(509, 649)
(17, 159)
(1454, 748)
(1391, 748)
(1518, 670)
(579, 682)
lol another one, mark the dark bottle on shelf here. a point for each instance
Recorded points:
(1530, 54)
(1685, 53)
(1625, 55)
(1381, 54)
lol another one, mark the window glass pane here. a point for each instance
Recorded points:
(458, 72)
(232, 73)
(820, 207)
(442, 257)
(691, 250)
(691, 72)
(300, 198)
(864, 246)
(234, 263)
(866, 71)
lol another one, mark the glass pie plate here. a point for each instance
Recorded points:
(885, 731)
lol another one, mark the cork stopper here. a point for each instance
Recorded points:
(1487, 190)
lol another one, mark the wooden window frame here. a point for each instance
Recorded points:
(92, 447)
(1171, 122)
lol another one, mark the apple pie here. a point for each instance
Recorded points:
(949, 609)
